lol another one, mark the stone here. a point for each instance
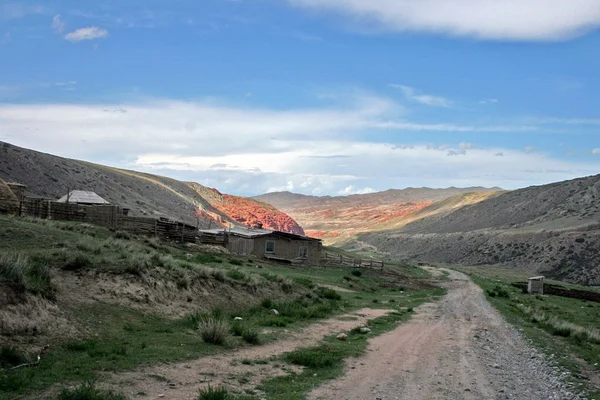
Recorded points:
(274, 312)
(364, 329)
(237, 319)
(342, 336)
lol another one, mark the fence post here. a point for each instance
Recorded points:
(21, 208)
(155, 227)
(182, 229)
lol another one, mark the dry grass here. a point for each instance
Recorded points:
(214, 330)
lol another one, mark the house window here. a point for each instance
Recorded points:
(303, 252)
(270, 246)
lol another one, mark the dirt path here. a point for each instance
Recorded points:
(458, 348)
(183, 380)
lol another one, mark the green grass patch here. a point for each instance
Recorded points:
(89, 392)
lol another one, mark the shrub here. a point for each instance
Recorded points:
(123, 235)
(357, 273)
(237, 275)
(251, 336)
(19, 271)
(287, 286)
(88, 392)
(214, 330)
(13, 268)
(137, 264)
(237, 328)
(328, 293)
(219, 275)
(236, 262)
(11, 357)
(219, 393)
(77, 261)
(267, 303)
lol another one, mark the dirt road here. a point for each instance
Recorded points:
(458, 348)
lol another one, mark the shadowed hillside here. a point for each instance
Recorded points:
(552, 229)
(145, 194)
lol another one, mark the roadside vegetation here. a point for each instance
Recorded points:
(565, 329)
(35, 255)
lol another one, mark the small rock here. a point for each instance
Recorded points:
(237, 319)
(274, 312)
(342, 336)
(364, 329)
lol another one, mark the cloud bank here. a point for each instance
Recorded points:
(250, 150)
(515, 20)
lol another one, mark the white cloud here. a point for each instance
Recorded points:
(58, 25)
(488, 101)
(596, 151)
(348, 190)
(529, 20)
(6, 38)
(426, 99)
(249, 150)
(89, 33)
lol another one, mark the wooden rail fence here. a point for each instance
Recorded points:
(109, 216)
(339, 260)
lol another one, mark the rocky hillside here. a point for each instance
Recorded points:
(339, 219)
(552, 229)
(145, 194)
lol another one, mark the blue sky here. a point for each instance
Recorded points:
(317, 97)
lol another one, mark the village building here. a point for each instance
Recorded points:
(83, 198)
(264, 243)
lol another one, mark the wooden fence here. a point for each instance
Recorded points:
(109, 216)
(330, 259)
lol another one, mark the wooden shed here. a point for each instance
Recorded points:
(263, 243)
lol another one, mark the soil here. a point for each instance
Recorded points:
(338, 289)
(183, 380)
(457, 348)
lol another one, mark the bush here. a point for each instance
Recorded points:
(214, 330)
(13, 268)
(11, 357)
(357, 273)
(25, 275)
(137, 264)
(251, 336)
(219, 393)
(328, 293)
(88, 392)
(122, 235)
(237, 328)
(237, 275)
(287, 286)
(236, 262)
(267, 303)
(77, 261)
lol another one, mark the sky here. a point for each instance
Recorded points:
(322, 97)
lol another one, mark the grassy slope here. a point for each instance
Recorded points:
(118, 338)
(579, 355)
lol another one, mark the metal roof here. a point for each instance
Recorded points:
(82, 197)
(254, 232)
(240, 231)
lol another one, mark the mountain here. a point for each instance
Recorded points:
(339, 219)
(144, 194)
(552, 230)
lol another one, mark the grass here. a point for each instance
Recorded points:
(124, 339)
(210, 393)
(567, 328)
(88, 392)
(25, 274)
(214, 330)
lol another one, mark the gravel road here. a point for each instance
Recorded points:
(458, 348)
